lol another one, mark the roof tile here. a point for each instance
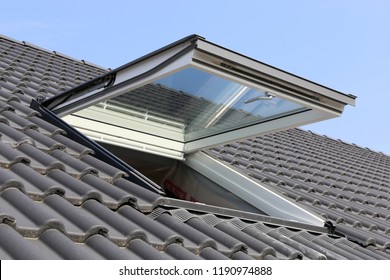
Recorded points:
(195, 240)
(112, 196)
(10, 156)
(15, 246)
(38, 160)
(212, 254)
(146, 252)
(73, 148)
(44, 127)
(106, 171)
(154, 228)
(145, 199)
(260, 248)
(178, 252)
(74, 166)
(226, 243)
(18, 122)
(29, 217)
(66, 248)
(34, 184)
(75, 190)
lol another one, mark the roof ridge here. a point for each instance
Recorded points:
(31, 45)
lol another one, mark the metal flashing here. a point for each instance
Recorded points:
(222, 212)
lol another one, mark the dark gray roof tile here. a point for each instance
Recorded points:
(277, 241)
(34, 184)
(15, 246)
(381, 238)
(43, 142)
(106, 171)
(5, 107)
(38, 160)
(146, 200)
(79, 223)
(75, 190)
(29, 217)
(111, 196)
(270, 257)
(226, 243)
(356, 249)
(260, 248)
(212, 254)
(6, 95)
(121, 230)
(73, 148)
(74, 166)
(385, 253)
(178, 252)
(242, 256)
(163, 234)
(327, 242)
(194, 239)
(66, 248)
(12, 136)
(342, 182)
(44, 127)
(9, 180)
(146, 252)
(10, 156)
(303, 242)
(109, 250)
(18, 122)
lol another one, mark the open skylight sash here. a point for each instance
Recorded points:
(128, 78)
(194, 94)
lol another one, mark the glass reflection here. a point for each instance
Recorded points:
(201, 104)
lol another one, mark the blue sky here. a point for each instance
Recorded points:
(344, 45)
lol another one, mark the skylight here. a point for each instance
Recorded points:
(189, 96)
(192, 95)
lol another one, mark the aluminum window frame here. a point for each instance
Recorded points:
(194, 51)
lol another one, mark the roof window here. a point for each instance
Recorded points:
(182, 99)
(192, 95)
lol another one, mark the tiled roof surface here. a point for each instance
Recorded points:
(344, 183)
(57, 201)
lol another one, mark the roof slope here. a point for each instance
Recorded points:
(344, 183)
(57, 201)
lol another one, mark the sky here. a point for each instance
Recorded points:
(344, 45)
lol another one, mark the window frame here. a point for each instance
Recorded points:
(321, 102)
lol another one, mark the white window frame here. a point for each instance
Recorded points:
(321, 102)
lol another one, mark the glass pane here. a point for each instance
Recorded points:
(198, 104)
